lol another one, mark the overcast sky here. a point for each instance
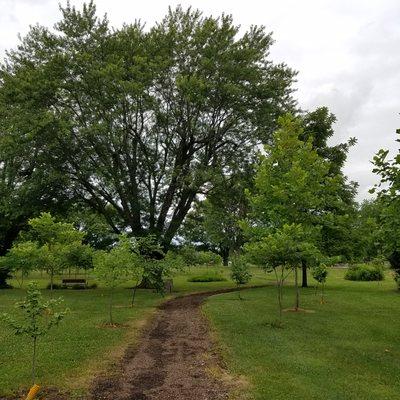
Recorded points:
(347, 53)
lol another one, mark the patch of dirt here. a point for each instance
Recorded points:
(173, 359)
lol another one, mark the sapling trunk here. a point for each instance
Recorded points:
(279, 291)
(238, 289)
(51, 278)
(110, 305)
(34, 360)
(296, 283)
(134, 293)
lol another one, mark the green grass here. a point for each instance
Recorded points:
(349, 348)
(81, 346)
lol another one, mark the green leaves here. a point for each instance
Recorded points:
(240, 272)
(141, 121)
(286, 246)
(293, 183)
(117, 265)
(48, 245)
(38, 316)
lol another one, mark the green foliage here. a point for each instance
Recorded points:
(191, 256)
(240, 272)
(394, 260)
(286, 247)
(388, 195)
(116, 266)
(49, 245)
(39, 317)
(83, 90)
(293, 189)
(365, 272)
(320, 273)
(23, 257)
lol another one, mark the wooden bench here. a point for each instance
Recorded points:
(74, 282)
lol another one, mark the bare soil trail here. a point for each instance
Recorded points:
(172, 360)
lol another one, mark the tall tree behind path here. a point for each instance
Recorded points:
(141, 121)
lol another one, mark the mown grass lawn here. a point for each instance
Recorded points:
(348, 349)
(81, 346)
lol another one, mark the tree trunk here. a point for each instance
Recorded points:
(296, 283)
(134, 293)
(34, 361)
(110, 305)
(304, 282)
(8, 238)
(51, 279)
(225, 256)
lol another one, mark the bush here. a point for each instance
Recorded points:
(191, 256)
(364, 272)
(207, 277)
(240, 273)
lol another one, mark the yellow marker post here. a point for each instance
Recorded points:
(33, 392)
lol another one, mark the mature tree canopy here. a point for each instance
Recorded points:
(141, 121)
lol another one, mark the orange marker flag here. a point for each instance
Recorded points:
(33, 392)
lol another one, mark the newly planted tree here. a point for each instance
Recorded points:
(240, 272)
(116, 267)
(21, 259)
(38, 317)
(283, 252)
(320, 273)
(54, 242)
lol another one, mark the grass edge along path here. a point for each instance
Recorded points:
(347, 349)
(82, 347)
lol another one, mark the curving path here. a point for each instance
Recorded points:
(171, 361)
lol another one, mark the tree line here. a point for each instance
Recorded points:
(186, 132)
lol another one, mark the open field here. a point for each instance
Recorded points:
(81, 346)
(348, 349)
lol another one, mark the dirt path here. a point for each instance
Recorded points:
(171, 361)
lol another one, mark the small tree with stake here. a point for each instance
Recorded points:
(39, 317)
(320, 273)
(116, 267)
(240, 273)
(283, 252)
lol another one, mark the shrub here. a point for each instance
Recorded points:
(191, 256)
(364, 272)
(207, 277)
(240, 273)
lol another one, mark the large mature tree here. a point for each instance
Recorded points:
(141, 121)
